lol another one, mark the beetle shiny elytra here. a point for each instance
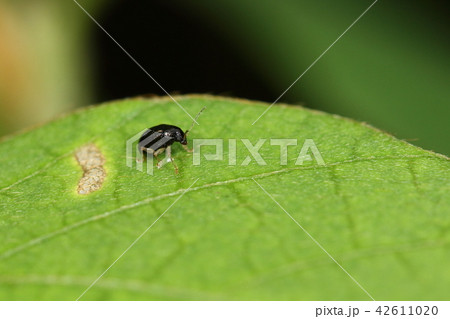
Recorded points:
(160, 138)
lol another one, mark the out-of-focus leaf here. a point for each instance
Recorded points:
(390, 69)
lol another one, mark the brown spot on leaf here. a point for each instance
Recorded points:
(91, 161)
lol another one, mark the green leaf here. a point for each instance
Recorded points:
(379, 207)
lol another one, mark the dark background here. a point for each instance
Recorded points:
(156, 32)
(211, 64)
(390, 69)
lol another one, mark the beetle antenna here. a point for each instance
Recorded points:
(195, 120)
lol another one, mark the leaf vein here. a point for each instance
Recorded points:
(38, 240)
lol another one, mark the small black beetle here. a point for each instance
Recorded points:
(159, 138)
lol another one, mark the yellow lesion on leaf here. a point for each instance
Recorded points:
(91, 161)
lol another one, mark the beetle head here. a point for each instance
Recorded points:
(184, 140)
(179, 136)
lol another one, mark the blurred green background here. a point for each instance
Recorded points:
(390, 70)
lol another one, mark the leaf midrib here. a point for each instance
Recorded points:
(38, 240)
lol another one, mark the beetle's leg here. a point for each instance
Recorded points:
(143, 153)
(170, 158)
(140, 154)
(174, 165)
(187, 149)
(146, 152)
(156, 153)
(166, 159)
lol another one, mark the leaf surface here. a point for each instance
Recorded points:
(379, 207)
